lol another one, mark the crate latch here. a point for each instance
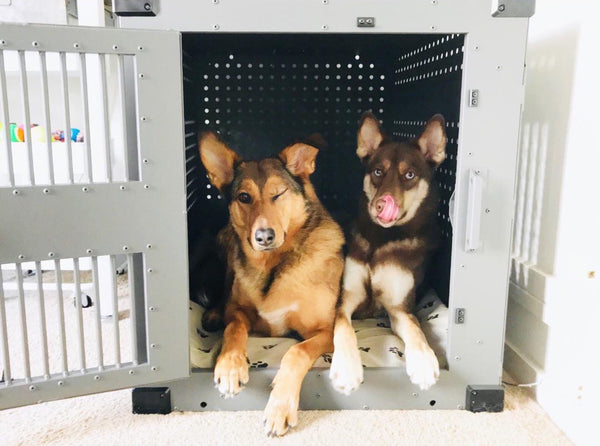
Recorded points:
(129, 8)
(513, 8)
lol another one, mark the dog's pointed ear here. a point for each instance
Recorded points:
(369, 135)
(218, 159)
(299, 159)
(432, 141)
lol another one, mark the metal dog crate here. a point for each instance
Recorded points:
(266, 73)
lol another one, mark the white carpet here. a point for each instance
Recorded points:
(107, 420)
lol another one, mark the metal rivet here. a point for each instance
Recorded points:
(146, 187)
(216, 27)
(365, 407)
(215, 2)
(115, 47)
(325, 27)
(479, 341)
(457, 358)
(151, 308)
(432, 27)
(501, 8)
(142, 75)
(122, 187)
(32, 388)
(415, 394)
(476, 47)
(152, 345)
(50, 254)
(149, 246)
(462, 266)
(147, 6)
(76, 45)
(132, 372)
(498, 67)
(150, 270)
(21, 256)
(85, 189)
(145, 161)
(2, 42)
(125, 248)
(16, 192)
(60, 383)
(89, 251)
(45, 191)
(140, 48)
(325, 2)
(97, 377)
(470, 154)
(434, 2)
(35, 43)
(153, 368)
(144, 118)
(460, 407)
(487, 211)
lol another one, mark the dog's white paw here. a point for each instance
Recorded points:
(231, 373)
(422, 366)
(346, 372)
(281, 414)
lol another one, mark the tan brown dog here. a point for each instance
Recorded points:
(284, 262)
(391, 241)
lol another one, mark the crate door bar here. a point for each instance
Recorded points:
(122, 100)
(42, 314)
(117, 337)
(65, 97)
(61, 318)
(132, 310)
(23, 325)
(81, 337)
(6, 122)
(97, 312)
(86, 117)
(26, 115)
(102, 58)
(46, 100)
(4, 333)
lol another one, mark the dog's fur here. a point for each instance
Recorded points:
(386, 258)
(288, 282)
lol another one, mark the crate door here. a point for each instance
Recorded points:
(91, 183)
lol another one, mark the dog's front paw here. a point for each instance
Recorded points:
(346, 372)
(281, 414)
(231, 373)
(422, 366)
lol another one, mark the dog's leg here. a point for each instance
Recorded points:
(231, 369)
(281, 412)
(346, 372)
(396, 288)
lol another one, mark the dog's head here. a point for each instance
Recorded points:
(398, 174)
(268, 198)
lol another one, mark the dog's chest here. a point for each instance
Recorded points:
(277, 318)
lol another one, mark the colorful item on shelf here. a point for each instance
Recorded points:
(38, 134)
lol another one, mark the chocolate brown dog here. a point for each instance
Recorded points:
(390, 243)
(284, 265)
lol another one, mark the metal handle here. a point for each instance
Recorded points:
(474, 205)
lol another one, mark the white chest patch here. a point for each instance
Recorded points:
(394, 283)
(277, 318)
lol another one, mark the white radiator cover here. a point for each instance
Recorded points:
(554, 293)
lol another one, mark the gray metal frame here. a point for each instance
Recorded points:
(138, 216)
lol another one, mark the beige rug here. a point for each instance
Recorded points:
(107, 420)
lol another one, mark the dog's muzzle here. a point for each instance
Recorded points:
(265, 237)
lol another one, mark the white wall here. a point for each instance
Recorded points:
(554, 292)
(33, 11)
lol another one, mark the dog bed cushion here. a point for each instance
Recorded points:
(378, 346)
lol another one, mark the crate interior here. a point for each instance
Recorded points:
(264, 91)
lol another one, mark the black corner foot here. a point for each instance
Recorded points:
(151, 400)
(485, 398)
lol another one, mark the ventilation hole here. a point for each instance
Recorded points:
(203, 404)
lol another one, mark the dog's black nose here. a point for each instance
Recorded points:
(265, 237)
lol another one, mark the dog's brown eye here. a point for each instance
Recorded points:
(244, 198)
(409, 175)
(377, 172)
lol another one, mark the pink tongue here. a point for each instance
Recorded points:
(389, 211)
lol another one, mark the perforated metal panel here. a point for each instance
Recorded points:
(262, 92)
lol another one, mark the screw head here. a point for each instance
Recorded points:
(325, 27)
(45, 191)
(2, 42)
(89, 251)
(140, 48)
(152, 345)
(16, 192)
(21, 256)
(97, 378)
(415, 394)
(149, 246)
(115, 47)
(147, 6)
(144, 118)
(151, 308)
(216, 27)
(150, 270)
(131, 372)
(122, 187)
(501, 8)
(50, 254)
(145, 161)
(76, 45)
(60, 383)
(35, 44)
(85, 189)
(154, 368)
(125, 248)
(141, 75)
(32, 388)
(146, 186)
(457, 358)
